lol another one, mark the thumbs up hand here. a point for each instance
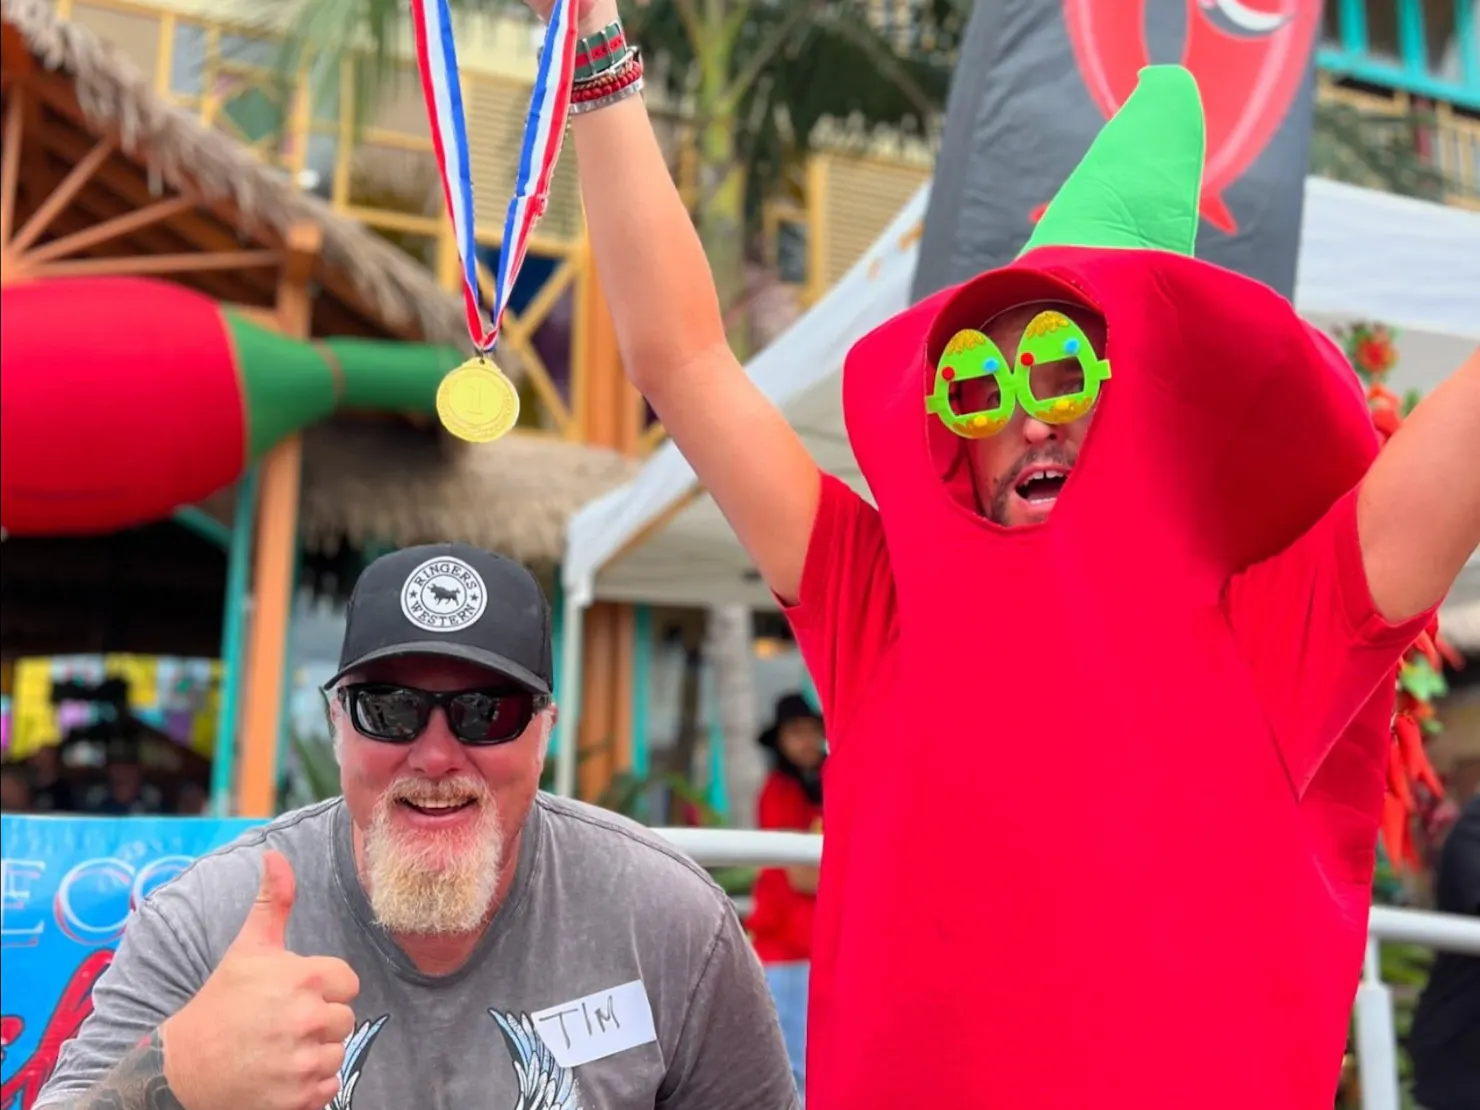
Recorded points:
(267, 1029)
(266, 926)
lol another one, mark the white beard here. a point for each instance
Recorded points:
(425, 883)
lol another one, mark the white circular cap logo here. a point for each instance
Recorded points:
(443, 595)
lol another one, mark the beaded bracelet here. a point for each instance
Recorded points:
(619, 84)
(624, 74)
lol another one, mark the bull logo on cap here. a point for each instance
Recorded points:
(443, 595)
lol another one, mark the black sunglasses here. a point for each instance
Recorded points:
(399, 714)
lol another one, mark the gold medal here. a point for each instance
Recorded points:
(477, 402)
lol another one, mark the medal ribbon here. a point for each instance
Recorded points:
(544, 130)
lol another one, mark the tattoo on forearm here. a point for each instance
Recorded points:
(136, 1083)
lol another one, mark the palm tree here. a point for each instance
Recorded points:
(757, 77)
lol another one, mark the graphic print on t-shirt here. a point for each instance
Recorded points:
(543, 1083)
(356, 1048)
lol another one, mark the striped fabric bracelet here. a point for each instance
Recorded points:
(600, 52)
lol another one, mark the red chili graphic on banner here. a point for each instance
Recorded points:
(1249, 63)
(1249, 58)
(1109, 40)
(20, 1090)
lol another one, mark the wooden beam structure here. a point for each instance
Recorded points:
(159, 212)
(71, 205)
(10, 166)
(280, 477)
(153, 265)
(213, 228)
(80, 174)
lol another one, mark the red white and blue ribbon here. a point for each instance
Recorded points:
(544, 130)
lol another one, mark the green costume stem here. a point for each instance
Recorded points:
(288, 384)
(1138, 186)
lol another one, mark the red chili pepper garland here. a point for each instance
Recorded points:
(1414, 790)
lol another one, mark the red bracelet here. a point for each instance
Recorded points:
(605, 86)
(628, 65)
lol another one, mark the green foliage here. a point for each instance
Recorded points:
(784, 68)
(313, 776)
(1418, 677)
(321, 34)
(1387, 888)
(1405, 969)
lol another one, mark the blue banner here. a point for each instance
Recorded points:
(67, 888)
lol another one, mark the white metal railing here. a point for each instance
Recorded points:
(1377, 1052)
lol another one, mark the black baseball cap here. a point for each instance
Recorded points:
(453, 600)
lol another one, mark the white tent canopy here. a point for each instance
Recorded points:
(1364, 255)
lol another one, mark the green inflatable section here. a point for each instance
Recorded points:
(288, 384)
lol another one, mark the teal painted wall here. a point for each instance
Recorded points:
(1454, 78)
(233, 633)
(642, 683)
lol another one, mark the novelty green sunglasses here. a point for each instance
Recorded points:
(1040, 381)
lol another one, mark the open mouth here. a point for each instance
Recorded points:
(1041, 486)
(437, 809)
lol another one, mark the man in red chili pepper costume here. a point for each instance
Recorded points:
(1107, 673)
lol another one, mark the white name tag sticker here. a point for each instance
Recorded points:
(597, 1026)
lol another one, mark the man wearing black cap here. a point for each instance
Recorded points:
(443, 935)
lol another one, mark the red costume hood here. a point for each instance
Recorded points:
(1230, 425)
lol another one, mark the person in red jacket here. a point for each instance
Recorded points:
(786, 898)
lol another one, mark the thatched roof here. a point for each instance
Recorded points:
(383, 482)
(254, 197)
(364, 481)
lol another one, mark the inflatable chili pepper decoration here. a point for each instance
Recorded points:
(125, 398)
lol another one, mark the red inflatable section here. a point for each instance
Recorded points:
(120, 401)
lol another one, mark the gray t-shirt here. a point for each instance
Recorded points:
(615, 971)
